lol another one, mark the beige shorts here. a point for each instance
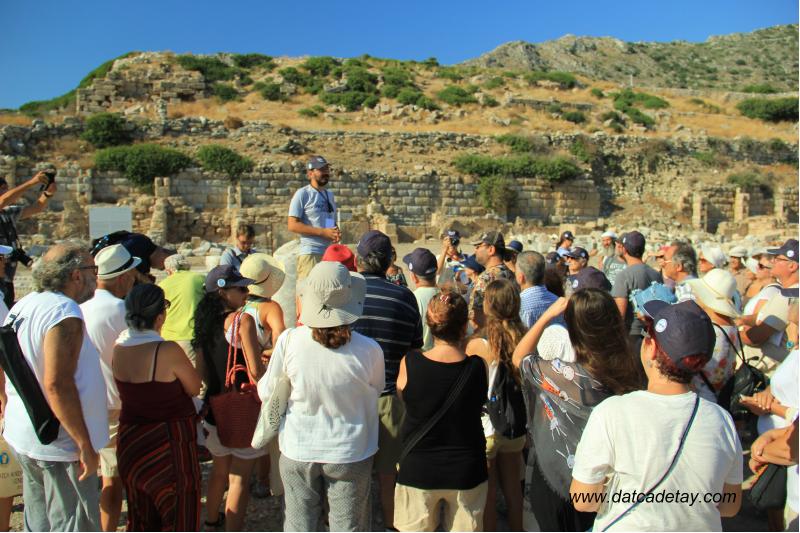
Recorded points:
(418, 509)
(108, 455)
(305, 263)
(216, 448)
(391, 413)
(499, 444)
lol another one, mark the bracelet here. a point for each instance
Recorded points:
(47, 195)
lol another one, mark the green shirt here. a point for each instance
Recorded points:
(184, 290)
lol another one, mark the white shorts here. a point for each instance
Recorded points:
(216, 448)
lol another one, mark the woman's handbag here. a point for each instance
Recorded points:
(769, 490)
(274, 408)
(236, 411)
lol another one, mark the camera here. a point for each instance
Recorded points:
(51, 178)
(454, 241)
(19, 256)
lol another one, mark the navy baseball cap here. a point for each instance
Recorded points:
(567, 235)
(421, 262)
(634, 242)
(375, 242)
(590, 278)
(315, 162)
(577, 253)
(225, 277)
(682, 329)
(472, 263)
(552, 258)
(514, 246)
(789, 249)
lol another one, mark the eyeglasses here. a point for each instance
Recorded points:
(780, 258)
(93, 268)
(762, 266)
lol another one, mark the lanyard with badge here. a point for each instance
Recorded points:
(329, 221)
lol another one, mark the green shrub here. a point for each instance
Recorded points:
(628, 98)
(490, 101)
(575, 117)
(427, 103)
(431, 62)
(106, 129)
(250, 61)
(777, 145)
(292, 75)
(311, 112)
(217, 158)
(518, 143)
(760, 88)
(371, 101)
(350, 100)
(565, 80)
(640, 118)
(494, 83)
(456, 96)
(398, 76)
(550, 168)
(270, 91)
(409, 96)
(449, 73)
(212, 68)
(584, 149)
(225, 92)
(141, 163)
(769, 110)
(496, 193)
(597, 93)
(554, 107)
(320, 66)
(710, 158)
(748, 179)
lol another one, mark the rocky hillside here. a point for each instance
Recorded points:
(733, 62)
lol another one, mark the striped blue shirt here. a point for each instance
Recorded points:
(392, 319)
(534, 301)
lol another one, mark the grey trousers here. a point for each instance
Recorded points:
(54, 498)
(348, 492)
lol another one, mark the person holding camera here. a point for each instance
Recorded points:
(448, 263)
(10, 213)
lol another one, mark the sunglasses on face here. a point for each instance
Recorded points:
(762, 266)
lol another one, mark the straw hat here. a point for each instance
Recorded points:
(715, 290)
(113, 261)
(332, 296)
(267, 272)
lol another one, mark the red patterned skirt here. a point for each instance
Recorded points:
(159, 466)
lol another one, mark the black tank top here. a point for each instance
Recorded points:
(453, 453)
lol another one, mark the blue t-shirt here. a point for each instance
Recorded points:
(313, 208)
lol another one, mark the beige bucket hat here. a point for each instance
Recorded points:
(715, 290)
(332, 296)
(267, 272)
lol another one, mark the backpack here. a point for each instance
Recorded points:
(506, 405)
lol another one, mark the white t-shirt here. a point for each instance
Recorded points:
(555, 344)
(104, 316)
(332, 413)
(775, 314)
(36, 314)
(764, 294)
(633, 438)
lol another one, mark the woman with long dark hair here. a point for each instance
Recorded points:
(218, 326)
(495, 344)
(562, 393)
(157, 448)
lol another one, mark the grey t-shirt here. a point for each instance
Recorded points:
(638, 276)
(313, 208)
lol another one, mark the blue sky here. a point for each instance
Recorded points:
(47, 46)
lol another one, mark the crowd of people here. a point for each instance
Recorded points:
(559, 378)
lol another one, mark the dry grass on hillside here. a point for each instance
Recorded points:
(14, 119)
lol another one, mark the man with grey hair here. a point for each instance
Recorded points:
(534, 297)
(60, 484)
(680, 265)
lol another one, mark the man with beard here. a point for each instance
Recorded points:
(610, 263)
(312, 215)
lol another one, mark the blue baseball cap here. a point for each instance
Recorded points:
(225, 277)
(316, 162)
(682, 329)
(421, 262)
(590, 278)
(472, 263)
(789, 249)
(577, 253)
(375, 242)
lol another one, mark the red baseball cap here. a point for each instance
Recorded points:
(340, 254)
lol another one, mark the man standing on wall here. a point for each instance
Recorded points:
(312, 214)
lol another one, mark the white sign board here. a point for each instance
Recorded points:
(104, 220)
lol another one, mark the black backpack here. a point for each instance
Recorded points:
(506, 405)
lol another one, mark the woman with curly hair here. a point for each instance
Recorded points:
(495, 344)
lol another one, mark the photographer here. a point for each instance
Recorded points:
(10, 213)
(449, 261)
